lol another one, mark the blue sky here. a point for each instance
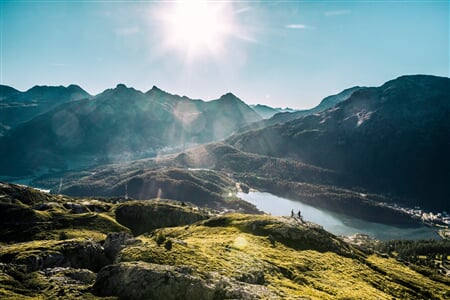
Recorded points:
(280, 53)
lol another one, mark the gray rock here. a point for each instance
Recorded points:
(76, 208)
(39, 261)
(75, 254)
(66, 275)
(85, 255)
(115, 241)
(139, 280)
(47, 206)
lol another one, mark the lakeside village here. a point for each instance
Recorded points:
(440, 220)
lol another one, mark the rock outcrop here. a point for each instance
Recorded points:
(145, 216)
(115, 241)
(293, 232)
(139, 280)
(39, 255)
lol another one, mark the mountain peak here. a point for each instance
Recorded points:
(7, 91)
(55, 88)
(74, 88)
(121, 86)
(156, 91)
(407, 81)
(120, 90)
(155, 88)
(38, 88)
(229, 97)
(74, 92)
(229, 94)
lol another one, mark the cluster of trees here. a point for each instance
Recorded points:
(428, 257)
(420, 252)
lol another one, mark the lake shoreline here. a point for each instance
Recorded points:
(336, 223)
(354, 204)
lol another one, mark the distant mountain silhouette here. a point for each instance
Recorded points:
(266, 112)
(390, 139)
(7, 91)
(17, 107)
(287, 115)
(117, 125)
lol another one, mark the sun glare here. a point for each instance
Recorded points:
(197, 28)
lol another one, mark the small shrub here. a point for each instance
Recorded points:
(63, 235)
(168, 245)
(160, 238)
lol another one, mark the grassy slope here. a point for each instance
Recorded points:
(232, 251)
(290, 258)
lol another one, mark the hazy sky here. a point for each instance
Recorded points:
(280, 53)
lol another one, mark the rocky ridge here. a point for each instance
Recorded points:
(220, 256)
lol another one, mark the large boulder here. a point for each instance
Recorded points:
(115, 241)
(139, 280)
(39, 255)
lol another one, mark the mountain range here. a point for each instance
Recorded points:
(156, 179)
(18, 107)
(391, 140)
(284, 115)
(118, 125)
(266, 112)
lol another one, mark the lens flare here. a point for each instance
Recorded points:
(240, 242)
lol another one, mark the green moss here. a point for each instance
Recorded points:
(11, 288)
(39, 285)
(71, 233)
(26, 248)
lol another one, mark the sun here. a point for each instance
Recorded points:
(197, 28)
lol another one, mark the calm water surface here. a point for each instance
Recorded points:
(336, 223)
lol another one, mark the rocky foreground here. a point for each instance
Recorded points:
(53, 246)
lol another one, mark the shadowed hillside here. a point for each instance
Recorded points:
(390, 139)
(18, 107)
(206, 188)
(213, 171)
(115, 126)
(286, 116)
